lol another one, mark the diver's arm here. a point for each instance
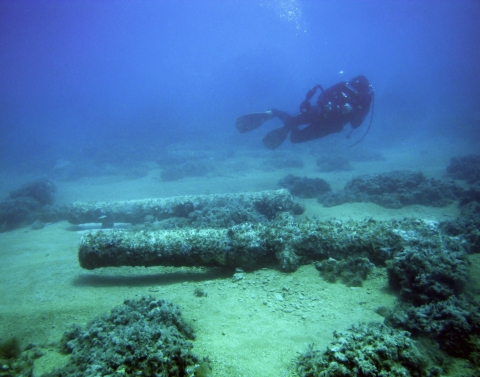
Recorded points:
(305, 105)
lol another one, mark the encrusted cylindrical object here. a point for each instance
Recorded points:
(266, 203)
(284, 243)
(242, 245)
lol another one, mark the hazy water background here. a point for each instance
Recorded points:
(80, 79)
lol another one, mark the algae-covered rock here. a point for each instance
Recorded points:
(352, 270)
(367, 350)
(428, 275)
(431, 279)
(145, 337)
(395, 189)
(453, 323)
(41, 190)
(471, 194)
(305, 187)
(465, 167)
(33, 201)
(466, 226)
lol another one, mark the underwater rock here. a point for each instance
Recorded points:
(41, 190)
(237, 276)
(395, 190)
(328, 164)
(145, 337)
(282, 242)
(32, 202)
(17, 212)
(453, 323)
(425, 275)
(465, 168)
(467, 226)
(431, 275)
(367, 350)
(265, 205)
(471, 194)
(304, 187)
(352, 271)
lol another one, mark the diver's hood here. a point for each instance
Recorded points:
(360, 84)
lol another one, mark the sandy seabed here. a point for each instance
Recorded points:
(253, 327)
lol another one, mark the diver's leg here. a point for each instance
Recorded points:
(308, 133)
(282, 115)
(290, 121)
(276, 137)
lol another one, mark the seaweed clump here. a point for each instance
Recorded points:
(14, 361)
(144, 337)
(395, 189)
(10, 349)
(367, 350)
(305, 187)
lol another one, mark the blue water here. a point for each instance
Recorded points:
(79, 77)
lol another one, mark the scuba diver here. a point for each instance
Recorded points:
(345, 102)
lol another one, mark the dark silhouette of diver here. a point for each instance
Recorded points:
(342, 103)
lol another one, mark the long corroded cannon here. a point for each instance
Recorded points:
(283, 242)
(237, 246)
(267, 203)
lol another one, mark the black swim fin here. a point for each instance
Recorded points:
(275, 138)
(249, 122)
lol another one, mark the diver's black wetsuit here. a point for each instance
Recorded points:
(336, 106)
